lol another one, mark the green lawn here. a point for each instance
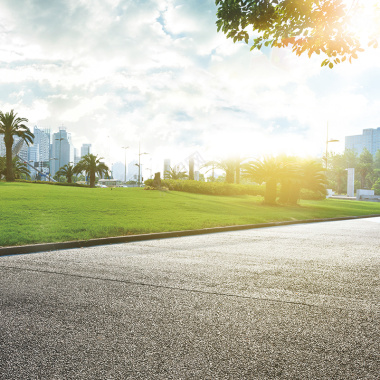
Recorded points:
(34, 213)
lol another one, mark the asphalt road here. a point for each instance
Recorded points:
(289, 302)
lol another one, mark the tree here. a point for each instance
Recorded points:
(301, 174)
(376, 161)
(91, 165)
(231, 166)
(66, 171)
(10, 126)
(176, 173)
(366, 157)
(363, 170)
(311, 26)
(270, 170)
(19, 167)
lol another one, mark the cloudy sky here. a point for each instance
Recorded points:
(116, 72)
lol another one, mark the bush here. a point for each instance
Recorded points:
(52, 183)
(376, 187)
(209, 188)
(311, 195)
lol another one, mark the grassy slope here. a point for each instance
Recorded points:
(31, 213)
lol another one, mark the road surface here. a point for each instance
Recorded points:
(288, 302)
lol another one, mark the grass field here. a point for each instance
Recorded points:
(33, 213)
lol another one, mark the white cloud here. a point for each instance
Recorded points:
(118, 71)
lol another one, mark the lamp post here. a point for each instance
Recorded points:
(327, 143)
(125, 162)
(139, 165)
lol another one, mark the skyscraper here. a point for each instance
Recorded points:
(42, 139)
(85, 150)
(370, 139)
(60, 150)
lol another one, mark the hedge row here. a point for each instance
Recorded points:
(222, 188)
(209, 188)
(52, 183)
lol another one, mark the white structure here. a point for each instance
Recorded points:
(364, 193)
(166, 168)
(350, 182)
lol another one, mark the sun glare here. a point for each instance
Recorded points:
(364, 16)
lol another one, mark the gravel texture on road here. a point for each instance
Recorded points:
(291, 302)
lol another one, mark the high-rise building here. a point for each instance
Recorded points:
(61, 149)
(76, 156)
(34, 153)
(2, 145)
(22, 152)
(370, 139)
(42, 140)
(118, 171)
(85, 150)
(132, 171)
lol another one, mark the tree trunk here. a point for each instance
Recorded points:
(92, 179)
(8, 152)
(238, 172)
(270, 191)
(69, 180)
(230, 176)
(191, 168)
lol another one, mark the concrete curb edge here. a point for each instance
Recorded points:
(33, 248)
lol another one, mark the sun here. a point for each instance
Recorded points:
(364, 19)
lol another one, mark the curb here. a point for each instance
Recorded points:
(33, 248)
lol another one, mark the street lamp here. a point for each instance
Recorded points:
(327, 143)
(139, 165)
(125, 162)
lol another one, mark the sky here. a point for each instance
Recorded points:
(117, 73)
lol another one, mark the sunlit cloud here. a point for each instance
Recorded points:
(120, 72)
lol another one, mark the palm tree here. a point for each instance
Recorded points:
(175, 173)
(228, 165)
(66, 171)
(305, 174)
(10, 126)
(91, 165)
(270, 170)
(19, 167)
(363, 170)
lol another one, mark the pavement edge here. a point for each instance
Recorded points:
(34, 248)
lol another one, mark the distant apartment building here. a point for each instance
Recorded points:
(34, 153)
(370, 139)
(132, 171)
(77, 157)
(85, 150)
(42, 141)
(61, 150)
(22, 152)
(118, 171)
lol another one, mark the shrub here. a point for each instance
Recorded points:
(52, 183)
(311, 195)
(209, 188)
